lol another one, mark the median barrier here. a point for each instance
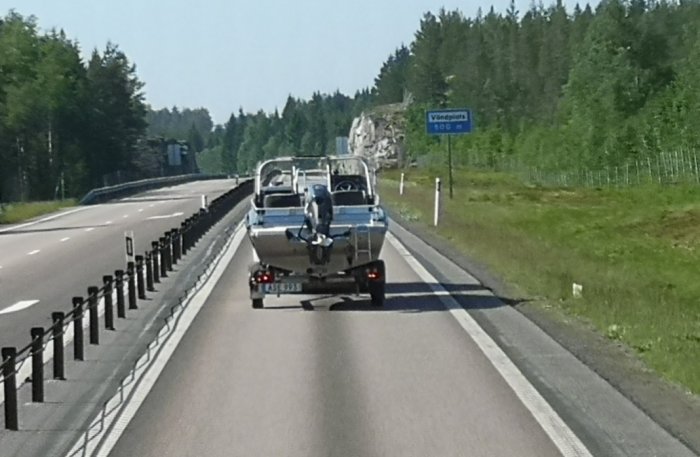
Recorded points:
(103, 194)
(165, 252)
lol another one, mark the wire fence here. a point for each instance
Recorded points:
(666, 168)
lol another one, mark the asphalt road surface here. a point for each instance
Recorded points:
(332, 376)
(44, 264)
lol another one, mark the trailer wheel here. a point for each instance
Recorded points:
(257, 303)
(376, 293)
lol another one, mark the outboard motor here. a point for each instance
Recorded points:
(318, 218)
(319, 210)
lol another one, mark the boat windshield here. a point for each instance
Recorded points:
(299, 172)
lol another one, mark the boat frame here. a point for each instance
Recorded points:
(316, 227)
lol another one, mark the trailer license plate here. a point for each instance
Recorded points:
(282, 288)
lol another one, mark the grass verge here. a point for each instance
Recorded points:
(11, 213)
(634, 250)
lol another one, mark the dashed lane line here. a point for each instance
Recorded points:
(35, 251)
(19, 306)
(63, 240)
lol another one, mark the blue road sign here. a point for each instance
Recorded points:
(448, 121)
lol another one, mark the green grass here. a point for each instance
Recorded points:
(636, 251)
(12, 213)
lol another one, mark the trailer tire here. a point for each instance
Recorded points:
(257, 303)
(376, 293)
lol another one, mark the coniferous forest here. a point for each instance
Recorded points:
(587, 88)
(592, 88)
(61, 116)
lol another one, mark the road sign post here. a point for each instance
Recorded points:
(449, 161)
(129, 238)
(448, 122)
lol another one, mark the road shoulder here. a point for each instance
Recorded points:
(674, 409)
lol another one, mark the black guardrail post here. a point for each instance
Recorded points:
(168, 252)
(200, 224)
(78, 346)
(191, 231)
(184, 235)
(37, 364)
(109, 305)
(9, 376)
(163, 259)
(131, 271)
(58, 349)
(119, 279)
(93, 294)
(175, 238)
(197, 232)
(209, 217)
(155, 252)
(205, 221)
(140, 276)
(149, 272)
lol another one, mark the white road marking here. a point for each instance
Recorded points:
(108, 223)
(90, 229)
(35, 251)
(46, 219)
(19, 306)
(63, 240)
(561, 435)
(166, 216)
(114, 422)
(140, 210)
(151, 205)
(125, 216)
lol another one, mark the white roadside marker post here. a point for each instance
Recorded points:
(401, 185)
(437, 201)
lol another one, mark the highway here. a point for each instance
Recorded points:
(44, 263)
(332, 376)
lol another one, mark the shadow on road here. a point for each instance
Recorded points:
(414, 297)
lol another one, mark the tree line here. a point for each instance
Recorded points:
(551, 88)
(304, 127)
(559, 90)
(63, 120)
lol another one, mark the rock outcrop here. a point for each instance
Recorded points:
(378, 136)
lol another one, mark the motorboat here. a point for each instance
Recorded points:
(316, 226)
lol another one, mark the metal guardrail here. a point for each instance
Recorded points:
(103, 194)
(126, 286)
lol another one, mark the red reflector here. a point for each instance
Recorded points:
(373, 275)
(265, 278)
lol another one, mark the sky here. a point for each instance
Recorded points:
(226, 54)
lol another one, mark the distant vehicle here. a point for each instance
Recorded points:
(316, 227)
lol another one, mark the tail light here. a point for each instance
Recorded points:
(264, 277)
(373, 275)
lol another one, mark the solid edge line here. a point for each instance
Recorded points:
(102, 443)
(553, 425)
(46, 219)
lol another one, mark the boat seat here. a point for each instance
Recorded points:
(349, 197)
(282, 200)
